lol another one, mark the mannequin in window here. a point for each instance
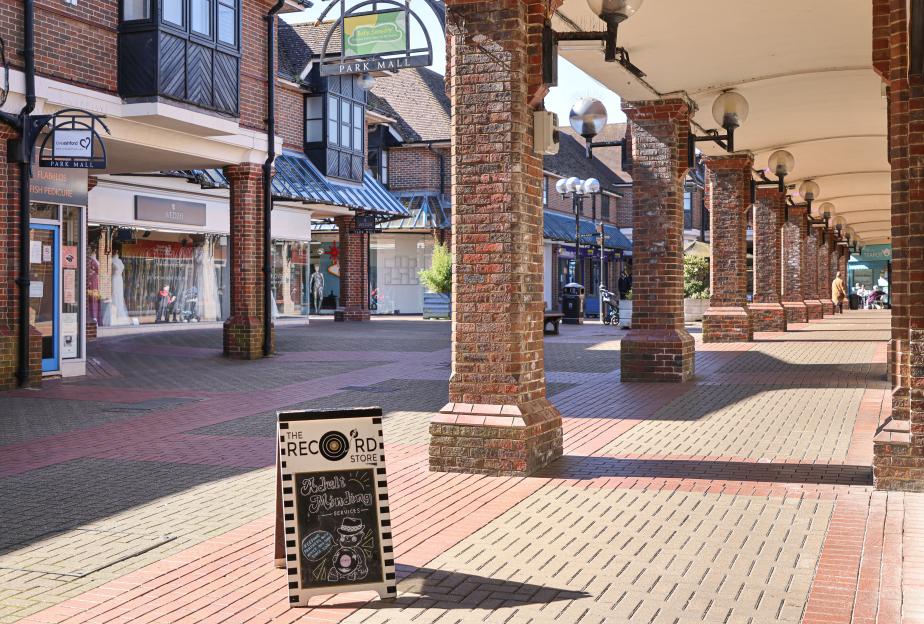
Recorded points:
(316, 285)
(118, 313)
(93, 288)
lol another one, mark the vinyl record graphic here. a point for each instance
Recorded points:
(334, 446)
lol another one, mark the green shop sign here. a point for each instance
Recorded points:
(374, 41)
(873, 253)
(375, 33)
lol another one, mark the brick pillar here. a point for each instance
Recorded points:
(793, 236)
(729, 183)
(810, 275)
(843, 258)
(9, 266)
(767, 313)
(354, 270)
(824, 273)
(898, 448)
(243, 331)
(498, 420)
(658, 348)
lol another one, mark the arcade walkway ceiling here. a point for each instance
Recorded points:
(804, 67)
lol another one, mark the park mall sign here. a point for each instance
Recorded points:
(374, 37)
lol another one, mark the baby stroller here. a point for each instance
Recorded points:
(609, 311)
(874, 301)
(189, 311)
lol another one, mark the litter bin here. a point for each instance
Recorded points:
(572, 304)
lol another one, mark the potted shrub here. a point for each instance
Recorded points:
(695, 287)
(437, 300)
(625, 310)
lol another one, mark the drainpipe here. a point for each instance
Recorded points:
(267, 175)
(25, 171)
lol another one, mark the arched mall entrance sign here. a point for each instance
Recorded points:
(374, 36)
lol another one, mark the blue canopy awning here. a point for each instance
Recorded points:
(560, 227)
(297, 179)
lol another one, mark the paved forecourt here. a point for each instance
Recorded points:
(144, 492)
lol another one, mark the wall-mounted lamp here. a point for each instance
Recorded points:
(366, 81)
(588, 118)
(729, 110)
(808, 191)
(781, 163)
(613, 13)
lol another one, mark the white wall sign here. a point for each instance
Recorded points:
(336, 520)
(72, 143)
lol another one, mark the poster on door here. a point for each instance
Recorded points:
(336, 520)
(69, 285)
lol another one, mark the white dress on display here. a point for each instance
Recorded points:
(118, 310)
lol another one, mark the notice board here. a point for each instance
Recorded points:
(336, 519)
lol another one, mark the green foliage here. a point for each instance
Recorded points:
(438, 278)
(695, 277)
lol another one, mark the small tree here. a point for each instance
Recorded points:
(438, 278)
(695, 277)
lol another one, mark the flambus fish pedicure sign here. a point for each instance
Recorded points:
(336, 520)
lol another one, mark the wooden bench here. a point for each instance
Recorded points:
(553, 319)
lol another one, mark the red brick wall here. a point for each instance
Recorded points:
(417, 168)
(290, 115)
(78, 44)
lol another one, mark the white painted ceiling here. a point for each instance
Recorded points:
(805, 67)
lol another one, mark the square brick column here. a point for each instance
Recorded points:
(793, 242)
(843, 258)
(354, 270)
(898, 448)
(498, 420)
(835, 266)
(728, 181)
(9, 266)
(810, 275)
(658, 348)
(243, 331)
(767, 313)
(824, 273)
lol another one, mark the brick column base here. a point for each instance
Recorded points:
(498, 440)
(796, 312)
(657, 356)
(814, 309)
(243, 338)
(9, 347)
(727, 324)
(767, 317)
(91, 330)
(828, 307)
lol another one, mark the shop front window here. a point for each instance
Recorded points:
(157, 277)
(71, 282)
(324, 276)
(291, 273)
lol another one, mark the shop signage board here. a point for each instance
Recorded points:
(374, 37)
(163, 210)
(336, 519)
(58, 186)
(364, 223)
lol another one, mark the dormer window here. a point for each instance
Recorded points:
(335, 128)
(186, 50)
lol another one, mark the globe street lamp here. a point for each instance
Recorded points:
(588, 118)
(729, 111)
(612, 13)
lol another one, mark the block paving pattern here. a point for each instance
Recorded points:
(742, 496)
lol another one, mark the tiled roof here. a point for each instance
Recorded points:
(297, 179)
(300, 43)
(416, 98)
(571, 160)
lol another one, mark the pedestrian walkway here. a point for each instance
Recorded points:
(144, 493)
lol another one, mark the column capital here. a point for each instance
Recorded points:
(738, 160)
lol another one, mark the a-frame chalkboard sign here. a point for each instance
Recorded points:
(336, 521)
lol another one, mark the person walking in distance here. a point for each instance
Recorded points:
(838, 292)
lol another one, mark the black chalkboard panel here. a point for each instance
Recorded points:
(338, 528)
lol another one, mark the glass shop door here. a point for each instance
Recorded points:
(43, 291)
